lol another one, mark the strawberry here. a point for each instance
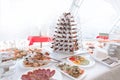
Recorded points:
(72, 58)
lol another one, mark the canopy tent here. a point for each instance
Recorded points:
(26, 17)
(115, 4)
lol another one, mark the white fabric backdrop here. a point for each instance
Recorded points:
(116, 25)
(96, 16)
(20, 18)
(115, 4)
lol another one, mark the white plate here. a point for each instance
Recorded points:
(60, 56)
(79, 78)
(7, 63)
(87, 57)
(57, 75)
(24, 67)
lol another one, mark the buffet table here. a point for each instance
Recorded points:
(91, 72)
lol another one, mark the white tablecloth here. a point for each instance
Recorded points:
(92, 72)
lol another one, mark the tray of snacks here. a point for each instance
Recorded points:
(6, 59)
(36, 59)
(41, 74)
(13, 53)
(72, 71)
(81, 60)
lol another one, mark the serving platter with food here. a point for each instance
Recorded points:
(36, 59)
(42, 74)
(72, 71)
(81, 60)
(5, 60)
(15, 53)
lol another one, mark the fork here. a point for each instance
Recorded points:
(54, 59)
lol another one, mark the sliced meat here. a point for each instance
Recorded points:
(40, 74)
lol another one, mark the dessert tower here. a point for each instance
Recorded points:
(66, 38)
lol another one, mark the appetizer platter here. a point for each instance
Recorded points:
(42, 74)
(36, 59)
(15, 53)
(6, 59)
(72, 71)
(81, 60)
